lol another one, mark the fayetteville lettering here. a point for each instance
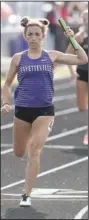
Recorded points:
(36, 68)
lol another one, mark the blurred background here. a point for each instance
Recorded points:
(11, 32)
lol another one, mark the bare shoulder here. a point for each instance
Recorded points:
(53, 55)
(17, 57)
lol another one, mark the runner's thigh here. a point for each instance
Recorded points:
(40, 130)
(21, 134)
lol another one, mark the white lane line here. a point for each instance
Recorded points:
(47, 172)
(6, 145)
(49, 147)
(64, 134)
(9, 125)
(64, 97)
(67, 133)
(66, 111)
(42, 199)
(10, 199)
(58, 196)
(58, 113)
(53, 193)
(65, 147)
(64, 86)
(42, 191)
(81, 213)
(61, 79)
(6, 151)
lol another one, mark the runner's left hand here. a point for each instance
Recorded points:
(69, 32)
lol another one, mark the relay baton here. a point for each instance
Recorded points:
(71, 39)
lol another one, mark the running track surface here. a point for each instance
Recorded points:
(60, 193)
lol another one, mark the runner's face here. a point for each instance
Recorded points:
(34, 37)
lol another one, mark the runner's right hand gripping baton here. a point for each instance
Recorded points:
(71, 39)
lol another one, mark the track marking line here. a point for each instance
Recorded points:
(66, 111)
(6, 145)
(9, 125)
(10, 199)
(67, 133)
(52, 146)
(64, 86)
(50, 199)
(81, 213)
(6, 151)
(43, 193)
(47, 172)
(46, 191)
(65, 147)
(58, 197)
(64, 97)
(64, 134)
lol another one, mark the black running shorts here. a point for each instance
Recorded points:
(30, 114)
(82, 75)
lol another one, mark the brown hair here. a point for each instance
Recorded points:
(41, 22)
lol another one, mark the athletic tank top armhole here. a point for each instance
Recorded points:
(22, 56)
(45, 52)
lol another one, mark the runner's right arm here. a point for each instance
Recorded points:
(9, 79)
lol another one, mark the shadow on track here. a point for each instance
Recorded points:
(79, 152)
(24, 213)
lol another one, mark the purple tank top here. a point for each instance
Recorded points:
(35, 81)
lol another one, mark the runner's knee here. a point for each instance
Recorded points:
(34, 147)
(82, 108)
(19, 153)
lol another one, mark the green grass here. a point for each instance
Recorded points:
(61, 72)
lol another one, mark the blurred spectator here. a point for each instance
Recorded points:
(74, 10)
(80, 6)
(75, 13)
(70, 12)
(62, 10)
(17, 45)
(59, 9)
(10, 26)
(52, 19)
